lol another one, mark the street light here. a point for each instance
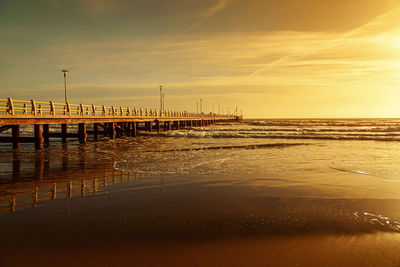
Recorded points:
(161, 99)
(65, 84)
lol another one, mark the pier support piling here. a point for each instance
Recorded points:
(158, 127)
(15, 136)
(46, 131)
(111, 130)
(128, 129)
(176, 125)
(95, 131)
(134, 129)
(149, 126)
(82, 135)
(64, 133)
(38, 136)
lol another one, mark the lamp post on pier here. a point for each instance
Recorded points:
(65, 84)
(161, 99)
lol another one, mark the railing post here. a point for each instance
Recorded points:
(93, 110)
(81, 109)
(121, 111)
(103, 108)
(52, 109)
(113, 110)
(128, 111)
(68, 109)
(10, 106)
(33, 110)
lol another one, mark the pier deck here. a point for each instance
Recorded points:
(109, 121)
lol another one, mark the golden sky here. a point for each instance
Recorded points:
(289, 58)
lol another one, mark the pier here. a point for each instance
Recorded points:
(106, 121)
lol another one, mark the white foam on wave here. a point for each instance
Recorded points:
(262, 134)
(378, 220)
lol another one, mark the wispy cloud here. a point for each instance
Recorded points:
(219, 5)
(209, 12)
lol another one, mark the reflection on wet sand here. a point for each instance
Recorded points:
(20, 190)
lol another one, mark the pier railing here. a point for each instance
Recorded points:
(13, 107)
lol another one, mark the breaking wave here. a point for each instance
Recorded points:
(352, 130)
(267, 135)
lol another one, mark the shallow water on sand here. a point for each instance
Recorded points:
(220, 195)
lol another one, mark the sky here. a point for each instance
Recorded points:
(269, 58)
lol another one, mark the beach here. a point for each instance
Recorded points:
(310, 192)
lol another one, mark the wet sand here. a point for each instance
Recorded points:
(68, 206)
(120, 220)
(298, 250)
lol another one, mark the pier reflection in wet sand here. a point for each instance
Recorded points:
(22, 191)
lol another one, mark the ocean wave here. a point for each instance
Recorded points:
(252, 146)
(203, 134)
(380, 221)
(302, 129)
(318, 123)
(351, 171)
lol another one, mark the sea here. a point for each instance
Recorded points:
(258, 192)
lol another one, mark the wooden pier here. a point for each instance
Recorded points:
(107, 121)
